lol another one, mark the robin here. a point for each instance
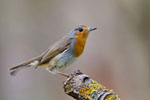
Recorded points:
(61, 54)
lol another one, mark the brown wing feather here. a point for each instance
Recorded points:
(55, 50)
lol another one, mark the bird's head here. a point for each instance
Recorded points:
(83, 31)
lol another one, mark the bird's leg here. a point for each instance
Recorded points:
(57, 72)
(62, 74)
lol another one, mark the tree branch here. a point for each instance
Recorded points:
(82, 87)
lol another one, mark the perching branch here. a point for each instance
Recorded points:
(82, 87)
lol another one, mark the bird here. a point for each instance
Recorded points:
(61, 54)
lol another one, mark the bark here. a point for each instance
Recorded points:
(82, 87)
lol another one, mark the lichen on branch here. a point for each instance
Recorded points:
(82, 87)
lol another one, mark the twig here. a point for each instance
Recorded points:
(82, 87)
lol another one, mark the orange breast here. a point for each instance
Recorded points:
(79, 45)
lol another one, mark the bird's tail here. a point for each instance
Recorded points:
(33, 62)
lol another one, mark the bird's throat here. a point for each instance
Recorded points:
(79, 44)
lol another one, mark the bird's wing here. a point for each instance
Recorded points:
(57, 48)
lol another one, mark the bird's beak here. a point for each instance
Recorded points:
(91, 29)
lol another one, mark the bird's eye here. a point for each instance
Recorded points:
(80, 29)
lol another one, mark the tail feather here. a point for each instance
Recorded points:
(16, 69)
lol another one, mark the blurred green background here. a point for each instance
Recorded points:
(116, 54)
